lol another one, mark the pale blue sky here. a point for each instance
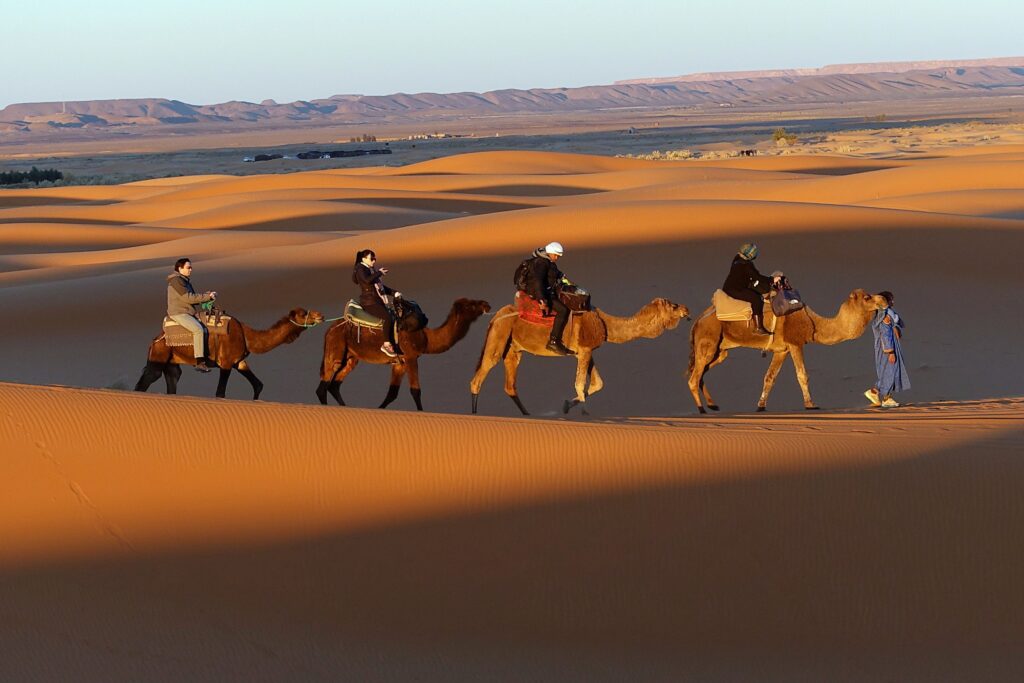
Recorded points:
(207, 51)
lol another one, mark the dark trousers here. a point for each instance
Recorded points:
(749, 295)
(561, 318)
(381, 311)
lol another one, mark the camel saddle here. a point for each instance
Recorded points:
(535, 313)
(216, 323)
(356, 315)
(729, 309)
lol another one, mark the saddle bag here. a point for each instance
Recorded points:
(786, 301)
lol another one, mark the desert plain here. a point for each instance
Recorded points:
(183, 537)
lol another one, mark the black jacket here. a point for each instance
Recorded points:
(744, 276)
(367, 279)
(545, 279)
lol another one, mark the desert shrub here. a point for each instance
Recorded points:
(35, 176)
(781, 137)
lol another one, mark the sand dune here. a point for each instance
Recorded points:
(185, 538)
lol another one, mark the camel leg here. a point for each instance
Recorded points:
(172, 372)
(778, 358)
(150, 374)
(584, 360)
(495, 347)
(397, 373)
(801, 375)
(704, 354)
(222, 382)
(718, 360)
(333, 384)
(511, 372)
(246, 372)
(413, 368)
(596, 382)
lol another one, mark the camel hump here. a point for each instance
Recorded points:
(357, 315)
(729, 309)
(215, 322)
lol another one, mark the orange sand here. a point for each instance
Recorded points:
(148, 537)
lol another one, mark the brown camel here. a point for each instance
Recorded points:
(345, 345)
(508, 336)
(711, 339)
(228, 352)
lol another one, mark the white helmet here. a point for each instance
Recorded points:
(554, 248)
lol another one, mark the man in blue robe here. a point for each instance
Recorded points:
(889, 364)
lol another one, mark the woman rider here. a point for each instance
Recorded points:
(746, 284)
(374, 296)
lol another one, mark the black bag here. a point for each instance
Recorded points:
(409, 316)
(521, 279)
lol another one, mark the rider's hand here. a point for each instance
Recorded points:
(398, 295)
(892, 359)
(383, 270)
(213, 295)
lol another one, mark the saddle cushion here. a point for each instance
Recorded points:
(530, 310)
(176, 335)
(730, 309)
(355, 314)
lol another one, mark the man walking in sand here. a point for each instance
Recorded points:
(889, 365)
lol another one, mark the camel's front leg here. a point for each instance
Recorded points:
(413, 368)
(397, 373)
(246, 371)
(222, 382)
(512, 359)
(801, 375)
(778, 358)
(583, 361)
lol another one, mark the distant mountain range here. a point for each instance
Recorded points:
(793, 87)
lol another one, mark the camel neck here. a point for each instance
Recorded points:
(640, 324)
(445, 336)
(284, 331)
(847, 324)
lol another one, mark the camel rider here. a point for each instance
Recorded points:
(182, 301)
(746, 284)
(543, 284)
(375, 297)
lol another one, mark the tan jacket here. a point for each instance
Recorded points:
(181, 298)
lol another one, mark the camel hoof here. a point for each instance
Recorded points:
(702, 411)
(712, 406)
(760, 409)
(811, 408)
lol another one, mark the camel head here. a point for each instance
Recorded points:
(671, 312)
(861, 301)
(303, 318)
(471, 308)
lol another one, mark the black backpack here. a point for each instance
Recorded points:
(521, 279)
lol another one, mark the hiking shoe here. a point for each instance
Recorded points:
(388, 350)
(203, 365)
(890, 403)
(761, 332)
(558, 347)
(872, 396)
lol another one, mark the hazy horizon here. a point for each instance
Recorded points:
(211, 52)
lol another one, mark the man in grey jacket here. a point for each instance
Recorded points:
(181, 308)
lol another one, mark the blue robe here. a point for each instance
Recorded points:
(892, 377)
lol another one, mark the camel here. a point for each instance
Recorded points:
(345, 345)
(508, 336)
(711, 339)
(228, 352)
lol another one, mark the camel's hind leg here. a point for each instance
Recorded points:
(801, 375)
(397, 373)
(584, 365)
(705, 352)
(150, 374)
(511, 372)
(719, 359)
(330, 369)
(778, 358)
(496, 345)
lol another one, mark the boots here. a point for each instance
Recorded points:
(203, 364)
(759, 330)
(555, 344)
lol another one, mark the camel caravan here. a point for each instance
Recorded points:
(549, 316)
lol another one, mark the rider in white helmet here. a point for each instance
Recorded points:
(543, 282)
